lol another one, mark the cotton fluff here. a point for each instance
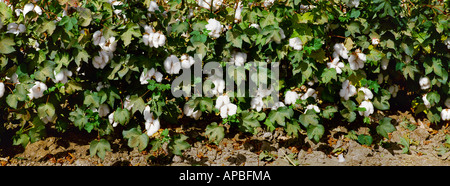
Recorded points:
(186, 61)
(238, 58)
(446, 103)
(369, 108)
(154, 39)
(148, 74)
(336, 64)
(348, 90)
(257, 103)
(228, 110)
(172, 64)
(2, 89)
(98, 38)
(37, 90)
(61, 76)
(237, 15)
(206, 4)
(190, 112)
(219, 85)
(15, 28)
(296, 43)
(214, 27)
(221, 101)
(101, 60)
(152, 125)
(426, 102)
(31, 7)
(357, 60)
(313, 107)
(111, 120)
(424, 83)
(290, 97)
(340, 50)
(309, 93)
(367, 93)
(153, 6)
(109, 45)
(445, 114)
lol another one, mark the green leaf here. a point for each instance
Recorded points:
(365, 139)
(329, 111)
(133, 30)
(328, 74)
(215, 132)
(315, 132)
(433, 97)
(46, 110)
(293, 128)
(405, 142)
(385, 127)
(11, 100)
(136, 138)
(48, 26)
(309, 118)
(79, 118)
(85, 16)
(178, 144)
(99, 148)
(279, 116)
(122, 116)
(7, 45)
(68, 22)
(248, 121)
(21, 139)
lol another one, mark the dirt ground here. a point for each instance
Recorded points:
(239, 149)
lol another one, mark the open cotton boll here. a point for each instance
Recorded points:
(353, 3)
(347, 90)
(357, 60)
(190, 112)
(111, 120)
(257, 103)
(2, 89)
(314, 107)
(268, 3)
(336, 64)
(426, 102)
(369, 108)
(375, 41)
(103, 110)
(237, 15)
(109, 45)
(296, 43)
(340, 50)
(15, 28)
(206, 4)
(158, 39)
(228, 110)
(367, 93)
(152, 126)
(101, 60)
(186, 61)
(61, 77)
(37, 90)
(309, 93)
(424, 83)
(277, 105)
(238, 58)
(445, 114)
(290, 97)
(221, 101)
(214, 27)
(447, 42)
(153, 6)
(98, 38)
(31, 7)
(172, 64)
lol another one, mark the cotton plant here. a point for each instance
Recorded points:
(215, 28)
(37, 91)
(172, 64)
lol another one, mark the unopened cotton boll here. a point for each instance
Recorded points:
(369, 108)
(296, 43)
(214, 27)
(228, 110)
(37, 91)
(238, 58)
(445, 114)
(290, 97)
(2, 89)
(424, 83)
(172, 64)
(347, 90)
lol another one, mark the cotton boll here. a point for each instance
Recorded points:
(206, 4)
(98, 38)
(369, 108)
(336, 65)
(2, 89)
(219, 85)
(15, 28)
(37, 91)
(27, 8)
(347, 90)
(277, 105)
(341, 158)
(424, 83)
(357, 60)
(153, 6)
(186, 61)
(228, 110)
(221, 101)
(353, 3)
(103, 110)
(238, 58)
(61, 77)
(172, 64)
(296, 43)
(127, 104)
(257, 103)
(111, 120)
(109, 45)
(447, 42)
(152, 126)
(101, 60)
(367, 93)
(314, 107)
(268, 3)
(214, 27)
(445, 114)
(339, 49)
(158, 39)
(309, 93)
(290, 97)
(146, 75)
(426, 102)
(189, 111)
(237, 15)
(375, 41)
(393, 89)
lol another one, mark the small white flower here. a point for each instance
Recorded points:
(228, 110)
(238, 58)
(424, 83)
(214, 27)
(375, 41)
(15, 28)
(296, 43)
(221, 101)
(336, 64)
(357, 60)
(290, 97)
(101, 60)
(153, 6)
(340, 50)
(186, 61)
(314, 107)
(367, 93)
(348, 90)
(61, 77)
(98, 38)
(369, 108)
(111, 120)
(445, 114)
(103, 110)
(37, 90)
(172, 64)
(109, 45)
(393, 89)
(2, 89)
